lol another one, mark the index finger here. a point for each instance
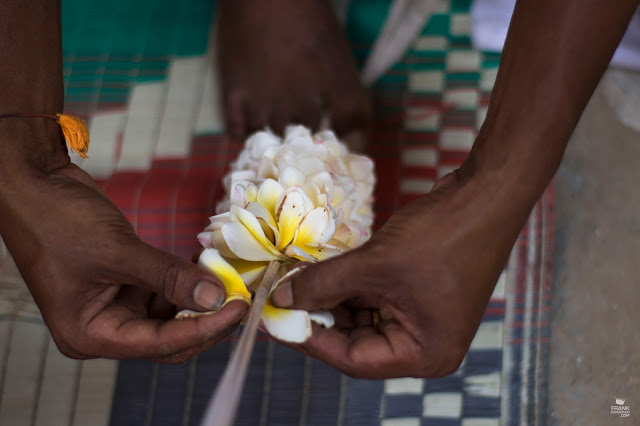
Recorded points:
(114, 333)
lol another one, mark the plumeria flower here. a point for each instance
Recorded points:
(301, 199)
(290, 325)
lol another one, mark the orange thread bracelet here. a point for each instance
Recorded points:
(74, 129)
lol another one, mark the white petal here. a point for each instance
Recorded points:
(337, 195)
(267, 221)
(241, 175)
(289, 325)
(218, 220)
(261, 212)
(233, 283)
(323, 180)
(238, 195)
(317, 226)
(298, 253)
(338, 217)
(259, 142)
(310, 165)
(346, 206)
(343, 233)
(220, 244)
(322, 251)
(251, 193)
(268, 195)
(325, 136)
(267, 170)
(291, 176)
(300, 144)
(359, 235)
(205, 238)
(244, 244)
(296, 131)
(338, 244)
(312, 190)
(324, 318)
(253, 225)
(360, 167)
(249, 271)
(290, 210)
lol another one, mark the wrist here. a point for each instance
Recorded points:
(31, 143)
(518, 162)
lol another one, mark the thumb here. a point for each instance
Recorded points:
(179, 281)
(323, 285)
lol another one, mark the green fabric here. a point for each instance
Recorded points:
(140, 27)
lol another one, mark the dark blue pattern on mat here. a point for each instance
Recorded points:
(283, 388)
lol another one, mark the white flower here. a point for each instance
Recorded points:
(304, 198)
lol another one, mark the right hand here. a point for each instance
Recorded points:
(409, 302)
(101, 290)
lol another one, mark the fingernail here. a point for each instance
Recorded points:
(208, 295)
(282, 296)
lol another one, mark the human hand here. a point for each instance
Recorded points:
(289, 63)
(101, 290)
(408, 303)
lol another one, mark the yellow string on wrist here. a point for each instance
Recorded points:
(74, 129)
(75, 132)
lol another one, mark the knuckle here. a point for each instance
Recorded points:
(168, 281)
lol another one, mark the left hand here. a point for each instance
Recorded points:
(289, 64)
(101, 290)
(408, 303)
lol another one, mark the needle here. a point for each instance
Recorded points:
(223, 405)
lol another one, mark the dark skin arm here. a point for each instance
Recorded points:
(432, 267)
(101, 290)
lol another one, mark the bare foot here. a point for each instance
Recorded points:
(287, 61)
